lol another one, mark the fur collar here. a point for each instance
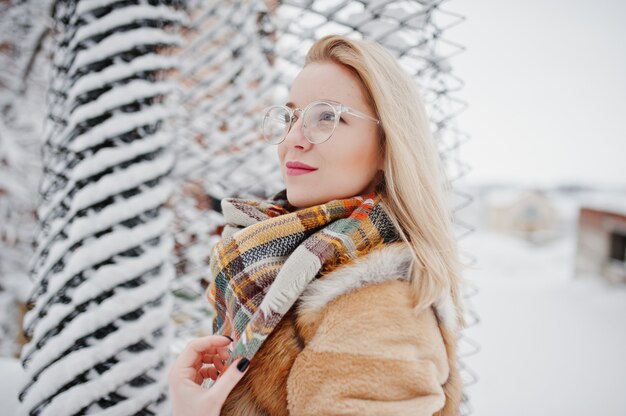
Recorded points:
(392, 261)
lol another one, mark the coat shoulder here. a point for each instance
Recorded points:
(363, 311)
(384, 266)
(377, 320)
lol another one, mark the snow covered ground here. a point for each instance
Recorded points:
(11, 377)
(550, 344)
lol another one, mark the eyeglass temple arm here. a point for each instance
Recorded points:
(357, 113)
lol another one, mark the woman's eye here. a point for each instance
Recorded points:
(327, 116)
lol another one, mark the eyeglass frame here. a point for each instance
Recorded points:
(333, 104)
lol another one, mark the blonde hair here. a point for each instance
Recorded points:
(415, 179)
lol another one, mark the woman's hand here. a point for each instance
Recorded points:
(187, 374)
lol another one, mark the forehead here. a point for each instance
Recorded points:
(326, 80)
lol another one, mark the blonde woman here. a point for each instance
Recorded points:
(341, 292)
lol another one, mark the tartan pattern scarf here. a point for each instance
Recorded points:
(270, 251)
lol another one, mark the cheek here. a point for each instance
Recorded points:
(281, 159)
(355, 154)
(280, 151)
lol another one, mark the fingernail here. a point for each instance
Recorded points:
(231, 340)
(243, 364)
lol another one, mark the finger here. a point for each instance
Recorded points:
(198, 346)
(190, 360)
(218, 363)
(198, 378)
(226, 382)
(209, 372)
(222, 353)
(208, 358)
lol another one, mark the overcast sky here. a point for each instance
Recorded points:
(546, 88)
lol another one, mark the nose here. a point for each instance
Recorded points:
(295, 137)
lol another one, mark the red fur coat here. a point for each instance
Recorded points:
(352, 345)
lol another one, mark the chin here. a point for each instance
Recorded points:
(301, 199)
(299, 202)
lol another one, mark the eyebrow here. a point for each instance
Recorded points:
(291, 104)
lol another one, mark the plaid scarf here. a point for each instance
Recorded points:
(270, 251)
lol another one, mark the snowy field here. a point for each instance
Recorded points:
(549, 344)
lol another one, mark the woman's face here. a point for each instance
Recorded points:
(347, 163)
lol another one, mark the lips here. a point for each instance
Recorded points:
(299, 165)
(298, 168)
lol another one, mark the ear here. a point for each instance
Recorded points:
(381, 164)
(381, 157)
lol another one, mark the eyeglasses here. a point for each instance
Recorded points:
(319, 120)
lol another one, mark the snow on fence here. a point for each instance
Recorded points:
(98, 328)
(128, 215)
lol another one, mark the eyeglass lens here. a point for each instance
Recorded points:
(319, 122)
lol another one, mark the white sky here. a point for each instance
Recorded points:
(546, 88)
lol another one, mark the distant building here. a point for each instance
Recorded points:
(601, 243)
(526, 213)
